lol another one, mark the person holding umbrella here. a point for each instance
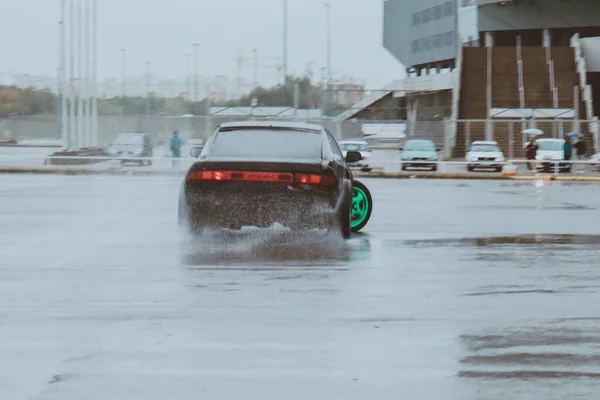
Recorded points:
(531, 153)
(580, 148)
(532, 147)
(568, 149)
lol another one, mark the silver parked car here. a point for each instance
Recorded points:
(484, 154)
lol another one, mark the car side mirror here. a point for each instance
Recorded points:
(353, 156)
(195, 151)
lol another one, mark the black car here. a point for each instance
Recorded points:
(259, 173)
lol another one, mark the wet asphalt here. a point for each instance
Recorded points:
(455, 290)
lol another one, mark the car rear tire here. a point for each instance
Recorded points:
(362, 206)
(345, 218)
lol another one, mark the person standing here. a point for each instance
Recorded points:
(580, 150)
(531, 153)
(568, 149)
(175, 145)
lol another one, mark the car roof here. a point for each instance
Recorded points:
(131, 134)
(270, 125)
(549, 140)
(354, 141)
(485, 142)
(419, 140)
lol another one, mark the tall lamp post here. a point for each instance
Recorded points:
(147, 63)
(123, 72)
(329, 72)
(196, 90)
(285, 42)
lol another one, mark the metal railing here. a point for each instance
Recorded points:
(380, 161)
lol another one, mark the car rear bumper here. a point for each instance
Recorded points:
(294, 209)
(552, 165)
(484, 164)
(419, 164)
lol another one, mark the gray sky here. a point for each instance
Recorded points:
(162, 32)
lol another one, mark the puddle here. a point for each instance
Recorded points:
(528, 375)
(541, 291)
(542, 359)
(532, 239)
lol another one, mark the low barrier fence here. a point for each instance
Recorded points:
(386, 161)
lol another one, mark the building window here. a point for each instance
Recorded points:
(448, 38)
(437, 12)
(416, 18)
(437, 41)
(425, 15)
(448, 9)
(425, 45)
(415, 46)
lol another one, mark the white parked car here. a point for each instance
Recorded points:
(485, 154)
(550, 153)
(363, 148)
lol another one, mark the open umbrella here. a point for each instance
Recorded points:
(574, 134)
(533, 132)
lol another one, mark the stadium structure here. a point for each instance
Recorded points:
(479, 64)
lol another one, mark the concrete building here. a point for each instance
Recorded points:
(478, 63)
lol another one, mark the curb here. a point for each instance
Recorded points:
(45, 146)
(471, 176)
(82, 171)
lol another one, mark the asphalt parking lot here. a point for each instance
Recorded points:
(455, 290)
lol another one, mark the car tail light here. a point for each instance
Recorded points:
(314, 179)
(254, 176)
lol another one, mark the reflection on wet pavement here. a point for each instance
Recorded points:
(264, 247)
(455, 290)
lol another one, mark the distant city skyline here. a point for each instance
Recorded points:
(222, 87)
(167, 30)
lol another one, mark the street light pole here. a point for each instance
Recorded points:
(196, 90)
(123, 72)
(285, 41)
(148, 63)
(188, 76)
(255, 67)
(329, 72)
(80, 77)
(63, 77)
(72, 95)
(95, 73)
(87, 104)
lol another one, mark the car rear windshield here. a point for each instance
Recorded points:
(419, 146)
(129, 139)
(268, 143)
(550, 146)
(354, 147)
(485, 148)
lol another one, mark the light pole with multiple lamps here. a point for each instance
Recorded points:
(78, 73)
(329, 71)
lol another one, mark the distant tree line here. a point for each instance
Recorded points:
(31, 101)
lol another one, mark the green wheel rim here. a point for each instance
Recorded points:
(360, 207)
